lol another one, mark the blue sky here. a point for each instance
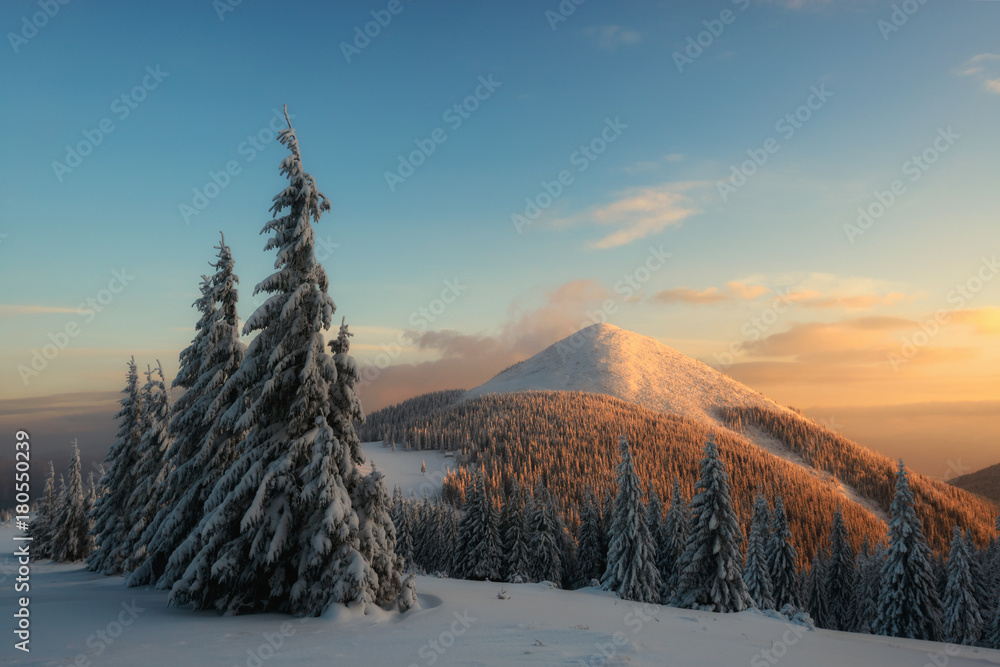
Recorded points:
(655, 185)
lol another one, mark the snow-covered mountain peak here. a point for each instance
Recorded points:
(606, 359)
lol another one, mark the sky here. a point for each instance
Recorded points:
(801, 194)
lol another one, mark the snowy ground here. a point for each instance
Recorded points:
(403, 468)
(79, 618)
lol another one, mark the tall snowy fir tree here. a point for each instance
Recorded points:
(112, 513)
(963, 622)
(755, 572)
(675, 531)
(479, 535)
(544, 548)
(282, 530)
(711, 569)
(201, 449)
(72, 541)
(908, 603)
(866, 585)
(151, 468)
(591, 557)
(993, 640)
(840, 574)
(43, 526)
(516, 563)
(781, 560)
(631, 570)
(401, 519)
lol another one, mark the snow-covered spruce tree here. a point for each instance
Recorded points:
(981, 577)
(404, 532)
(378, 535)
(908, 603)
(151, 468)
(112, 513)
(755, 573)
(711, 569)
(479, 535)
(591, 558)
(840, 574)
(866, 585)
(631, 570)
(201, 449)
(514, 537)
(72, 537)
(282, 529)
(675, 532)
(963, 622)
(993, 640)
(817, 601)
(43, 526)
(781, 560)
(545, 559)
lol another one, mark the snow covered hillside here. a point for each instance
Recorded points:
(605, 359)
(82, 618)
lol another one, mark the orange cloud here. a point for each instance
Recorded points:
(687, 295)
(985, 320)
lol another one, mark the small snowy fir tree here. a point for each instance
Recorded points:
(963, 622)
(112, 513)
(479, 534)
(591, 558)
(151, 468)
(282, 527)
(675, 532)
(908, 603)
(840, 574)
(72, 539)
(201, 449)
(515, 537)
(408, 595)
(781, 560)
(755, 572)
(43, 526)
(631, 570)
(711, 569)
(544, 548)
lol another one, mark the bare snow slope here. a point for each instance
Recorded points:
(605, 359)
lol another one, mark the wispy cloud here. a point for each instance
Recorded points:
(644, 166)
(610, 37)
(985, 67)
(638, 213)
